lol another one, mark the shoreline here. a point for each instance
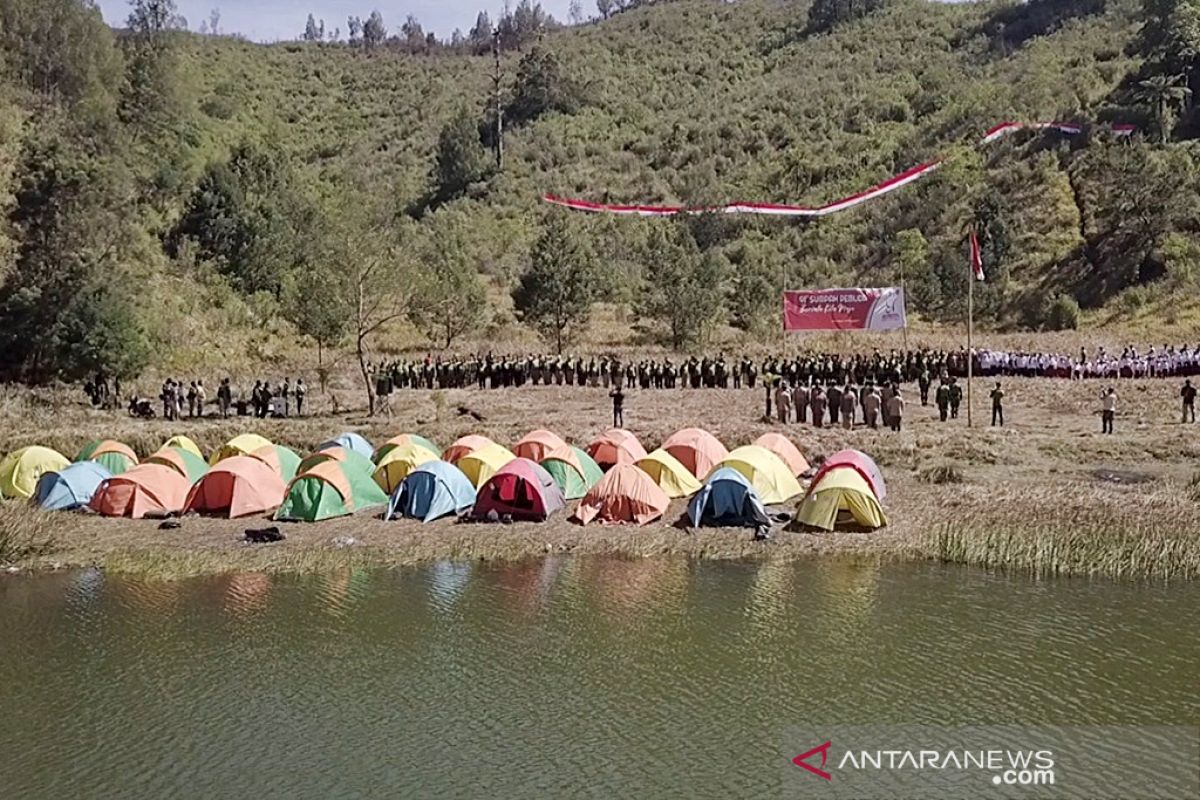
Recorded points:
(1047, 495)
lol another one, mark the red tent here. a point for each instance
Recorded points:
(522, 490)
(616, 446)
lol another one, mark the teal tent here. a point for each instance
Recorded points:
(432, 491)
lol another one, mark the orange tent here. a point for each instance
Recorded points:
(537, 444)
(146, 489)
(464, 447)
(696, 449)
(616, 446)
(788, 453)
(237, 487)
(625, 494)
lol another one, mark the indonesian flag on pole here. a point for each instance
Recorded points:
(976, 257)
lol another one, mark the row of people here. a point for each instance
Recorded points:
(263, 401)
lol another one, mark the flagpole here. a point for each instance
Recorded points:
(970, 328)
(904, 293)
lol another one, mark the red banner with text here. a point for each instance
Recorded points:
(844, 310)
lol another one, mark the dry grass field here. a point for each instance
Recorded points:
(1047, 493)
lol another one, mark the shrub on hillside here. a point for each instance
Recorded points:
(1063, 314)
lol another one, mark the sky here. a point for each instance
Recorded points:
(273, 20)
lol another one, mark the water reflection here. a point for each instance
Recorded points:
(629, 677)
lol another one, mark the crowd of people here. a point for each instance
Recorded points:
(179, 400)
(492, 371)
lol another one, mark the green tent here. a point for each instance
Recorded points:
(117, 458)
(573, 470)
(341, 454)
(328, 490)
(185, 462)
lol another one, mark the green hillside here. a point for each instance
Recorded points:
(212, 196)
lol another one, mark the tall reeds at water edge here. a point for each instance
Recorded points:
(1149, 537)
(23, 534)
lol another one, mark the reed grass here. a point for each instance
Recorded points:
(1132, 536)
(23, 534)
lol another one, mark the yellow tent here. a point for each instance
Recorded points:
(767, 473)
(841, 496)
(400, 460)
(242, 445)
(184, 443)
(670, 475)
(20, 470)
(482, 464)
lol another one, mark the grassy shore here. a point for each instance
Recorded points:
(1048, 494)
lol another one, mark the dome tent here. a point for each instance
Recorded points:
(727, 500)
(616, 446)
(861, 463)
(284, 460)
(484, 463)
(71, 488)
(573, 470)
(241, 486)
(536, 445)
(432, 491)
(783, 447)
(21, 469)
(841, 497)
(696, 449)
(669, 475)
(348, 457)
(521, 490)
(769, 476)
(145, 490)
(115, 457)
(625, 494)
(402, 459)
(402, 439)
(241, 445)
(185, 462)
(464, 447)
(184, 443)
(330, 489)
(351, 441)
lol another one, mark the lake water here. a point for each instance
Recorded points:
(550, 678)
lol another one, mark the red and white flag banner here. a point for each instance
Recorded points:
(844, 310)
(976, 258)
(771, 209)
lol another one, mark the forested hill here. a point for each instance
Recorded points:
(175, 197)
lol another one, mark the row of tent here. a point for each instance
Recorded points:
(615, 479)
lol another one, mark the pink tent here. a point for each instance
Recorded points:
(520, 489)
(860, 462)
(241, 486)
(616, 446)
(696, 449)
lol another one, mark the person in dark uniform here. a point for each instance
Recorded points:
(997, 406)
(618, 401)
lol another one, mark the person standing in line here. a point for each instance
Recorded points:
(201, 398)
(956, 396)
(618, 401)
(1108, 410)
(800, 398)
(1188, 394)
(849, 406)
(783, 402)
(284, 392)
(924, 381)
(871, 405)
(818, 402)
(896, 409)
(301, 391)
(191, 399)
(997, 406)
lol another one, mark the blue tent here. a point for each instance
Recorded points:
(351, 441)
(71, 488)
(727, 500)
(431, 491)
